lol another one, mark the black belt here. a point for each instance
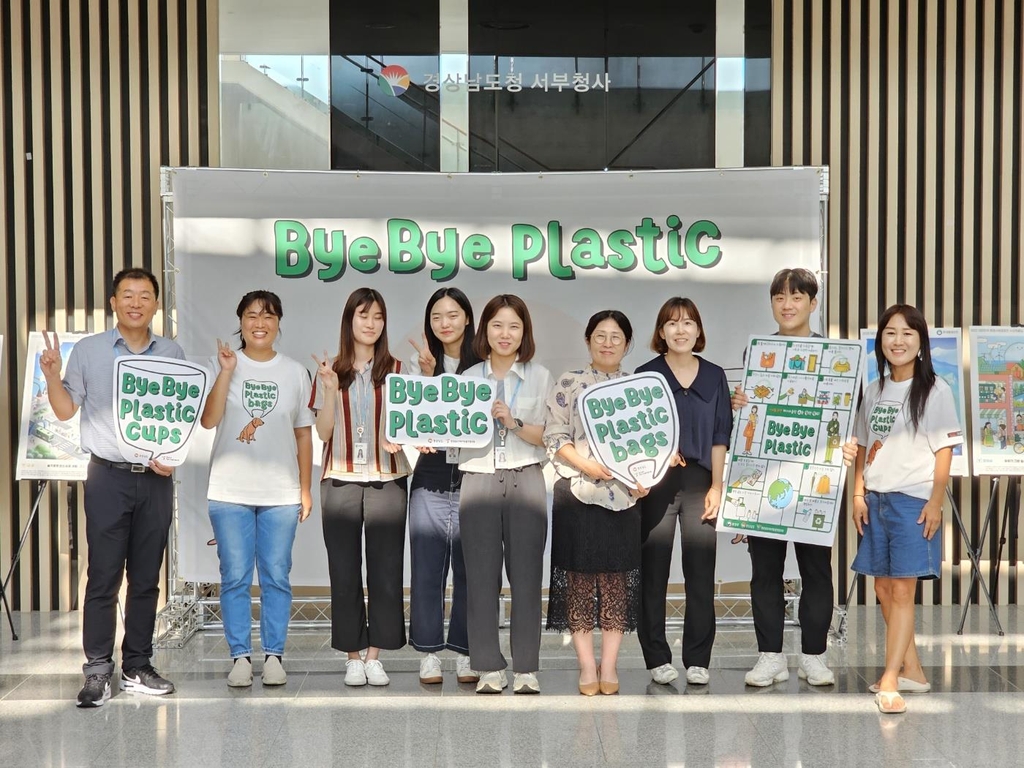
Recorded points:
(136, 468)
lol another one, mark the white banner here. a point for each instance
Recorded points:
(570, 244)
(786, 473)
(946, 346)
(48, 449)
(438, 411)
(997, 400)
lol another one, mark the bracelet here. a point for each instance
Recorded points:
(713, 488)
(858, 495)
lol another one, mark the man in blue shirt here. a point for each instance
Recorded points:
(128, 507)
(794, 295)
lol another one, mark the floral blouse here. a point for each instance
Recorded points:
(564, 425)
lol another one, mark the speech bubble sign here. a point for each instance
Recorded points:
(632, 426)
(157, 404)
(439, 411)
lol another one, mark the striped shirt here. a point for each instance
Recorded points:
(89, 379)
(361, 404)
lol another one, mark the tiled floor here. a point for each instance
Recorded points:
(972, 717)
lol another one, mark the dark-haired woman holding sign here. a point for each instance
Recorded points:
(435, 542)
(363, 491)
(595, 521)
(503, 508)
(688, 497)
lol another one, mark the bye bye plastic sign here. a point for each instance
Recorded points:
(157, 404)
(632, 426)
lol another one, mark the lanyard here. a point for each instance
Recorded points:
(364, 393)
(501, 428)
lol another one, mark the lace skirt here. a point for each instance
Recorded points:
(595, 565)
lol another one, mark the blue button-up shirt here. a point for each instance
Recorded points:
(89, 379)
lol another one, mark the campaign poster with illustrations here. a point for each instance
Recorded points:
(946, 345)
(48, 449)
(786, 473)
(997, 400)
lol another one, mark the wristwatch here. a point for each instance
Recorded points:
(518, 426)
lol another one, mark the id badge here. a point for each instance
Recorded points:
(451, 455)
(500, 458)
(360, 453)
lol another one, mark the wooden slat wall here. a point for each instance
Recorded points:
(917, 108)
(95, 95)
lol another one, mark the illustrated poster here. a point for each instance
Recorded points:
(997, 400)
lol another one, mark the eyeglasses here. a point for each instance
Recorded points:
(602, 338)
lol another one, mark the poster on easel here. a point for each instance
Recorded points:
(786, 473)
(997, 400)
(48, 449)
(946, 345)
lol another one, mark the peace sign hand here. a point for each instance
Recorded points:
(226, 357)
(326, 373)
(49, 359)
(426, 360)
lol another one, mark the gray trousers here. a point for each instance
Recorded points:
(504, 517)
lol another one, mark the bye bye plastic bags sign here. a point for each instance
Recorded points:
(632, 426)
(157, 405)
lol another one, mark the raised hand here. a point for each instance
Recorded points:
(326, 373)
(426, 360)
(49, 359)
(226, 356)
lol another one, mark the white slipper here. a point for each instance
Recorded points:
(905, 685)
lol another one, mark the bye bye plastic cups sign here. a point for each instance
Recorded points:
(632, 426)
(157, 405)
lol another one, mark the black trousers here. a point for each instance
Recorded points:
(378, 510)
(678, 501)
(767, 593)
(127, 517)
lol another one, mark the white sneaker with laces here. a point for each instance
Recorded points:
(697, 675)
(430, 669)
(375, 674)
(664, 674)
(492, 682)
(812, 669)
(770, 668)
(464, 670)
(355, 672)
(525, 682)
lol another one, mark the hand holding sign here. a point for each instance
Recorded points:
(426, 361)
(49, 359)
(632, 428)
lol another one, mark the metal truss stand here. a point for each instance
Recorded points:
(1011, 505)
(40, 486)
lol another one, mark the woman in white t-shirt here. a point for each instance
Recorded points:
(906, 430)
(260, 476)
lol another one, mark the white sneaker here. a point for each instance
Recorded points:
(273, 672)
(355, 672)
(463, 670)
(430, 669)
(770, 668)
(813, 670)
(375, 674)
(697, 675)
(525, 682)
(664, 674)
(240, 675)
(492, 682)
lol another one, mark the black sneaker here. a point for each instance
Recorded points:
(145, 679)
(95, 691)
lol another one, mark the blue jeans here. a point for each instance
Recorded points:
(250, 536)
(894, 545)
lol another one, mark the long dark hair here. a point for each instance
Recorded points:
(467, 357)
(383, 362)
(924, 373)
(269, 302)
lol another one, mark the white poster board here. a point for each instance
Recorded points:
(786, 473)
(569, 244)
(438, 411)
(48, 449)
(997, 400)
(946, 345)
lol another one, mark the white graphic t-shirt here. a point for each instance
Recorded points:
(898, 458)
(255, 458)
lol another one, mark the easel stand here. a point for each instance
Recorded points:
(40, 486)
(1010, 506)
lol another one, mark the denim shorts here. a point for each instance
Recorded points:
(894, 544)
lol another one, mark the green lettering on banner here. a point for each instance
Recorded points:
(291, 249)
(405, 246)
(694, 236)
